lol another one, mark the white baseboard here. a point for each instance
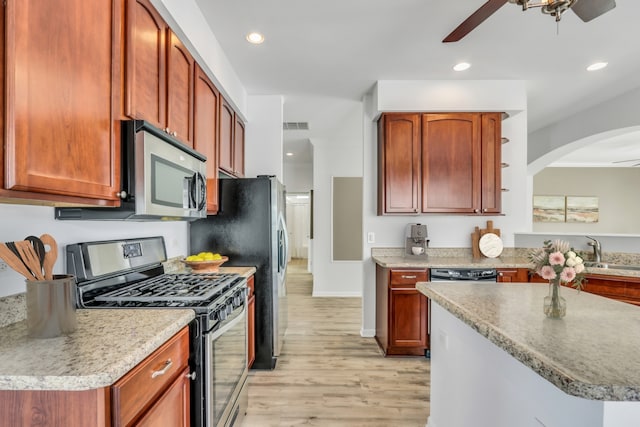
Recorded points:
(367, 333)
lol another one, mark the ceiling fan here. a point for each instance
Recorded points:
(585, 9)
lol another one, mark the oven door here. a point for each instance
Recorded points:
(226, 370)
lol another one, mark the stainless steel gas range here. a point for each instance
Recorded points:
(128, 273)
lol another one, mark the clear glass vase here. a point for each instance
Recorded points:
(555, 306)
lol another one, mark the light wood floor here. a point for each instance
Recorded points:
(328, 375)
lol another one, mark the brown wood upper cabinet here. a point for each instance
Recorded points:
(399, 151)
(159, 77)
(440, 163)
(61, 140)
(231, 139)
(205, 132)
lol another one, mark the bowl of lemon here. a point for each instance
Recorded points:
(205, 262)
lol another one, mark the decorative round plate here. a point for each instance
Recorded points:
(211, 266)
(490, 245)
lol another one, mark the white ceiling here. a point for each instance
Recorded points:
(325, 55)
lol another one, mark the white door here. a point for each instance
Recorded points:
(298, 220)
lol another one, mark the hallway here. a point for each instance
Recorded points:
(328, 375)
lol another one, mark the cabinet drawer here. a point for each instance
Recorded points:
(139, 387)
(408, 277)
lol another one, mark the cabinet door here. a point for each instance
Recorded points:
(491, 140)
(227, 125)
(172, 408)
(399, 163)
(180, 73)
(205, 132)
(61, 136)
(238, 147)
(508, 275)
(451, 163)
(145, 63)
(408, 318)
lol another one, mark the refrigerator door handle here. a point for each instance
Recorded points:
(283, 245)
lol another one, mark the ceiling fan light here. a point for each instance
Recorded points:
(597, 66)
(462, 66)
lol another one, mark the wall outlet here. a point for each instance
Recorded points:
(371, 237)
(3, 267)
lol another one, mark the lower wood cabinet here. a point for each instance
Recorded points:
(620, 288)
(251, 322)
(507, 275)
(161, 377)
(154, 393)
(401, 312)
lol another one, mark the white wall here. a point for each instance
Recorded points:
(20, 221)
(263, 137)
(339, 155)
(616, 116)
(298, 177)
(618, 209)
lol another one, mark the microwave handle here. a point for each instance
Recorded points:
(198, 191)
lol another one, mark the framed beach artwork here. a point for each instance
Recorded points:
(548, 209)
(582, 209)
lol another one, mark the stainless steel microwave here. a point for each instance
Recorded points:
(162, 179)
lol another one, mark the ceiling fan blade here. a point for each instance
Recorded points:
(475, 19)
(591, 9)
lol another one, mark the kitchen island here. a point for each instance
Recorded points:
(497, 361)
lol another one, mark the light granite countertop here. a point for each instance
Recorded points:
(511, 260)
(592, 353)
(105, 346)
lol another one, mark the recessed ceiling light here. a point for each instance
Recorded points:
(461, 66)
(289, 153)
(255, 38)
(597, 66)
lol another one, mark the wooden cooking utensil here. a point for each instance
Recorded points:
(38, 246)
(50, 256)
(30, 258)
(14, 262)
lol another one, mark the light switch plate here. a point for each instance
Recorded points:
(371, 237)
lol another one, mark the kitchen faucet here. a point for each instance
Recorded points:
(597, 248)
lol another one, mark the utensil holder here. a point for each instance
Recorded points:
(51, 307)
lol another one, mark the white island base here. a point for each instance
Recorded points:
(476, 383)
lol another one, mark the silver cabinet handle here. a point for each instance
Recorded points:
(409, 277)
(167, 366)
(191, 376)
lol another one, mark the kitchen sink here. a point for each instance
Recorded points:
(593, 264)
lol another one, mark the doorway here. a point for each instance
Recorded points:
(298, 225)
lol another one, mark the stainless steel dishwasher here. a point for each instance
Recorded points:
(446, 274)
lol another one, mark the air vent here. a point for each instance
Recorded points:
(295, 126)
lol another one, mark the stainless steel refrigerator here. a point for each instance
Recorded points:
(250, 229)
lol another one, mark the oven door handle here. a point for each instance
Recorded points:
(240, 317)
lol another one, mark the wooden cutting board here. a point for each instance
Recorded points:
(475, 238)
